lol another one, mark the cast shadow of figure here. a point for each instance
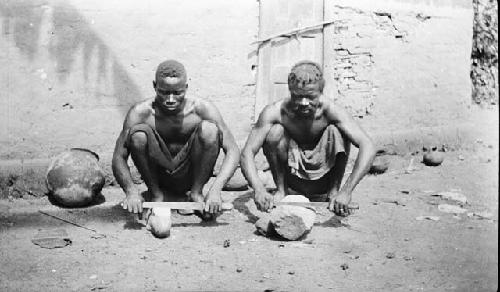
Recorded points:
(133, 224)
(71, 37)
(241, 203)
(96, 200)
(335, 221)
(22, 19)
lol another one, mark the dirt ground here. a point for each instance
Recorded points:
(382, 247)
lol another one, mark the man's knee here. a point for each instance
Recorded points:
(138, 140)
(208, 133)
(276, 137)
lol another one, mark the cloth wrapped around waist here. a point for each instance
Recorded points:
(313, 164)
(158, 151)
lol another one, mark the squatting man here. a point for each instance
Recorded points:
(174, 141)
(306, 139)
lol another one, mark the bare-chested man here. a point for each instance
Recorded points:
(306, 139)
(174, 141)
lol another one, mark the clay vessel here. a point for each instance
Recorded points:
(380, 163)
(433, 157)
(74, 178)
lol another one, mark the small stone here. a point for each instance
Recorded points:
(291, 273)
(453, 196)
(227, 243)
(461, 157)
(390, 255)
(408, 258)
(427, 217)
(239, 270)
(480, 215)
(446, 208)
(344, 266)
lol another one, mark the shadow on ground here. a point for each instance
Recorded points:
(241, 204)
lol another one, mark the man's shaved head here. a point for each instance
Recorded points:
(171, 68)
(304, 73)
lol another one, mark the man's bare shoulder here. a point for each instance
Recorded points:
(140, 112)
(271, 113)
(332, 111)
(198, 103)
(200, 106)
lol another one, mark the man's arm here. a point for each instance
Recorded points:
(268, 117)
(121, 170)
(229, 146)
(357, 136)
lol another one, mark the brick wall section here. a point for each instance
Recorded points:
(401, 65)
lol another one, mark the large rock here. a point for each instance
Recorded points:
(74, 178)
(292, 222)
(264, 226)
(289, 222)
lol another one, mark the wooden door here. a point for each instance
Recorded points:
(283, 41)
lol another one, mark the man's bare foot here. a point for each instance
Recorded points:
(205, 216)
(187, 212)
(278, 196)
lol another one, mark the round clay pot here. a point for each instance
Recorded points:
(433, 157)
(74, 178)
(379, 165)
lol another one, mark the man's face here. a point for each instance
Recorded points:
(305, 100)
(170, 93)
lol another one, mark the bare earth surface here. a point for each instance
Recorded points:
(382, 247)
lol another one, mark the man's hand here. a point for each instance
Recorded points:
(264, 201)
(339, 203)
(213, 202)
(133, 202)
